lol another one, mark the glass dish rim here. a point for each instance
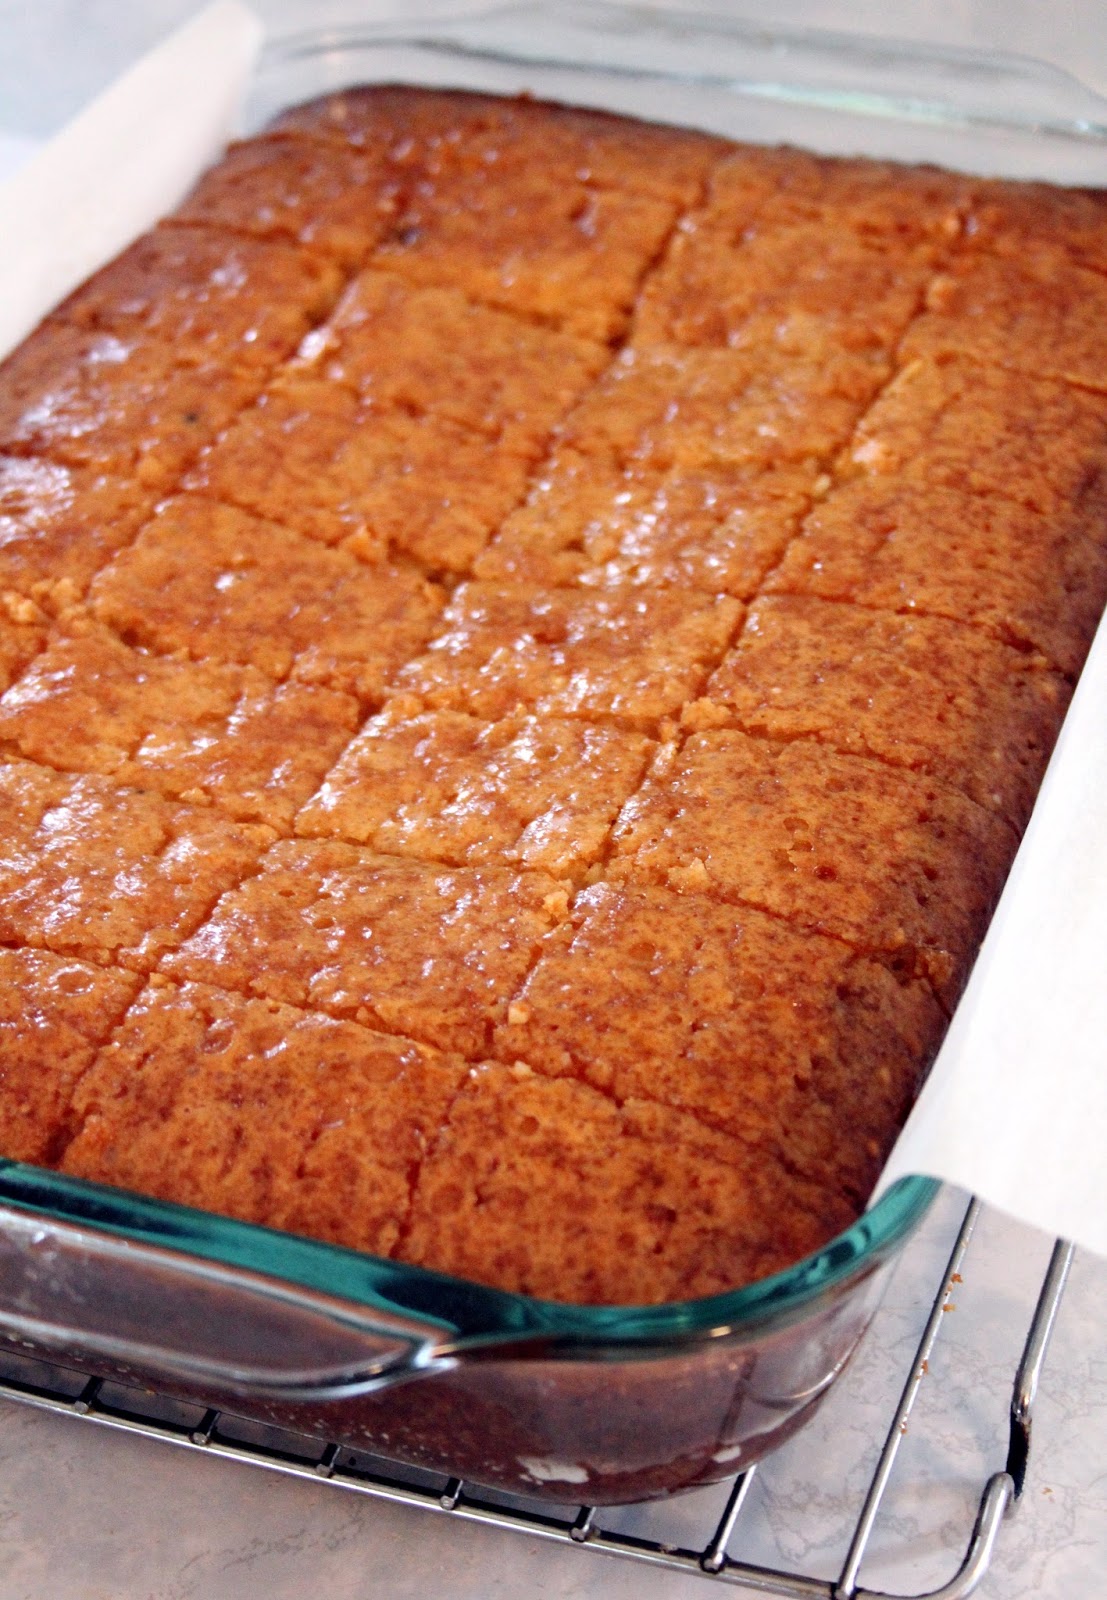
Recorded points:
(975, 68)
(469, 1313)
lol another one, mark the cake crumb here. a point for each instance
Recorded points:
(691, 876)
(556, 904)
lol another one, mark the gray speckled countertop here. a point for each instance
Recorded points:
(88, 1514)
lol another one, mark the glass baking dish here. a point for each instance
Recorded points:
(596, 1404)
(599, 1403)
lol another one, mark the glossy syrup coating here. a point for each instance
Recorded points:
(110, 875)
(594, 523)
(625, 651)
(416, 948)
(219, 584)
(59, 525)
(212, 297)
(639, 576)
(202, 731)
(539, 792)
(118, 405)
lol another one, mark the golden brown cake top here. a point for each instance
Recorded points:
(527, 640)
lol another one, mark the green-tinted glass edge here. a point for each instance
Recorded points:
(466, 1312)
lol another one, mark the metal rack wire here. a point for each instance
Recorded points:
(60, 1389)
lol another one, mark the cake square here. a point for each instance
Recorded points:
(277, 458)
(54, 1013)
(122, 406)
(705, 409)
(809, 289)
(59, 525)
(1005, 218)
(109, 875)
(886, 202)
(444, 786)
(630, 652)
(954, 424)
(430, 952)
(749, 1024)
(550, 1186)
(206, 732)
(1037, 583)
(923, 693)
(549, 247)
(325, 197)
(312, 456)
(219, 584)
(431, 351)
(425, 488)
(262, 1112)
(888, 861)
(1036, 313)
(591, 522)
(213, 297)
(588, 146)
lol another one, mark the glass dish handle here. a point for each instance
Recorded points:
(156, 1315)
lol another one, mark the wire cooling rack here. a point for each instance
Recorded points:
(97, 1400)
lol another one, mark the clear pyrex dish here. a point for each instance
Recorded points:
(603, 1404)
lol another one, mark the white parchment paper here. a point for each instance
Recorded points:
(124, 161)
(1016, 1106)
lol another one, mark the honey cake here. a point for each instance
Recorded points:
(640, 576)
(1031, 581)
(553, 1187)
(844, 845)
(757, 1027)
(922, 693)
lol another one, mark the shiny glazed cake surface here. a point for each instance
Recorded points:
(528, 643)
